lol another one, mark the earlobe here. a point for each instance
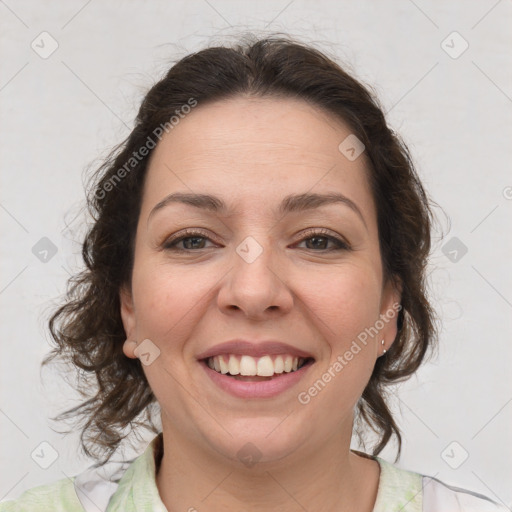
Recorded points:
(390, 308)
(129, 347)
(129, 322)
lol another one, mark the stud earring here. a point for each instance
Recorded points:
(384, 351)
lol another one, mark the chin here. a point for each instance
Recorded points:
(259, 441)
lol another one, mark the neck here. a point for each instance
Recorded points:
(328, 478)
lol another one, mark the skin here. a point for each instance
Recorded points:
(252, 152)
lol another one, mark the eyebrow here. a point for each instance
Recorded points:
(291, 203)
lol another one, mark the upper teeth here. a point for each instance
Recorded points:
(264, 366)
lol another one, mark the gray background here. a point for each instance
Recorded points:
(61, 113)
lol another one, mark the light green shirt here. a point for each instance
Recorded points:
(131, 487)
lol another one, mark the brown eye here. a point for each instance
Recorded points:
(319, 241)
(191, 240)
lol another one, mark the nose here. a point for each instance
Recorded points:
(257, 288)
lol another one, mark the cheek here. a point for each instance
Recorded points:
(345, 302)
(168, 309)
(352, 310)
(166, 301)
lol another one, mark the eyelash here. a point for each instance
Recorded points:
(170, 244)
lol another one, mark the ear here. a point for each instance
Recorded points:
(129, 321)
(389, 310)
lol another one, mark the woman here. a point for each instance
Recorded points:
(256, 267)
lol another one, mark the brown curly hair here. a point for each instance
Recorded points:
(87, 328)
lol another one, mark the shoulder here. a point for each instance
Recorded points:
(123, 485)
(410, 491)
(59, 496)
(90, 490)
(440, 497)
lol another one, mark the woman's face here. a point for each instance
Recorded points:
(266, 268)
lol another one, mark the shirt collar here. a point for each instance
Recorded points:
(137, 490)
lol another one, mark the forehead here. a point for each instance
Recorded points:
(249, 149)
(289, 128)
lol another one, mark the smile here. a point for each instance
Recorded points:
(245, 376)
(247, 366)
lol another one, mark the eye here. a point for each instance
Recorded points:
(318, 239)
(191, 239)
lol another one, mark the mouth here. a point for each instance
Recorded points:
(248, 377)
(255, 369)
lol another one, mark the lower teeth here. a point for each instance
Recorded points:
(250, 378)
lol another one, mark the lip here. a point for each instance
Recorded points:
(256, 389)
(253, 349)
